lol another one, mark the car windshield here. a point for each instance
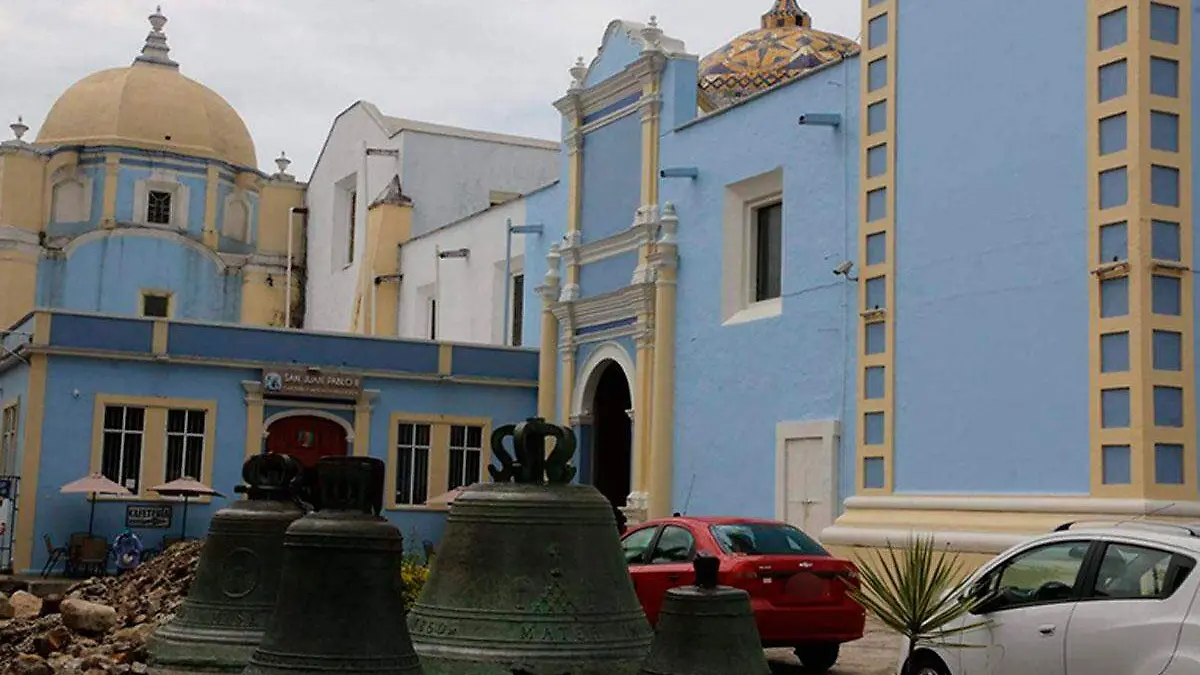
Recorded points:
(765, 539)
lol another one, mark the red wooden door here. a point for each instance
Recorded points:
(307, 438)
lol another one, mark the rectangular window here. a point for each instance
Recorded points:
(1114, 297)
(877, 161)
(157, 305)
(877, 117)
(1168, 407)
(412, 463)
(873, 428)
(768, 251)
(1116, 466)
(185, 444)
(158, 207)
(1114, 353)
(877, 32)
(1114, 244)
(877, 75)
(1114, 80)
(351, 229)
(1164, 23)
(874, 384)
(1164, 77)
(876, 205)
(1168, 350)
(1114, 188)
(1164, 185)
(1114, 29)
(1166, 295)
(1114, 408)
(518, 308)
(1164, 240)
(1114, 134)
(876, 294)
(432, 319)
(1164, 131)
(873, 476)
(877, 248)
(876, 337)
(466, 455)
(9, 423)
(1168, 464)
(122, 438)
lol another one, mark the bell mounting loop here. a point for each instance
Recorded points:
(706, 567)
(532, 465)
(351, 484)
(270, 477)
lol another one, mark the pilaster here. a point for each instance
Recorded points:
(666, 265)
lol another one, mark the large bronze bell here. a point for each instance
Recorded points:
(529, 575)
(237, 577)
(340, 607)
(706, 629)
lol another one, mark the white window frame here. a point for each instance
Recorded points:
(412, 448)
(161, 181)
(742, 201)
(185, 435)
(61, 178)
(466, 451)
(122, 432)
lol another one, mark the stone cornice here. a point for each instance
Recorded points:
(625, 303)
(632, 79)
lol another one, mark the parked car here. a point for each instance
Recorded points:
(1084, 599)
(797, 589)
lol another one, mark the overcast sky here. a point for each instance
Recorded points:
(290, 66)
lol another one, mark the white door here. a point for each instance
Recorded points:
(809, 491)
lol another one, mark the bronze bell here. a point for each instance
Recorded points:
(340, 608)
(237, 577)
(706, 629)
(529, 576)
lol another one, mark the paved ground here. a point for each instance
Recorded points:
(877, 653)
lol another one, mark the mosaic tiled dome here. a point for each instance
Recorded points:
(785, 47)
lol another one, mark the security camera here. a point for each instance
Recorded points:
(843, 268)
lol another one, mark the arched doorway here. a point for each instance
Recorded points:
(612, 432)
(308, 438)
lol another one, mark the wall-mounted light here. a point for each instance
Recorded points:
(680, 172)
(456, 253)
(821, 119)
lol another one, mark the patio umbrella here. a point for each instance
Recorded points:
(95, 484)
(186, 487)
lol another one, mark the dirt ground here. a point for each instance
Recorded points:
(877, 653)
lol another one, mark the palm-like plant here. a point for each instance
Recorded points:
(914, 592)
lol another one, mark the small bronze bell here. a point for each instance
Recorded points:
(529, 576)
(340, 607)
(706, 629)
(237, 577)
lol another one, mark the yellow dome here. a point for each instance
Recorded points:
(150, 105)
(785, 47)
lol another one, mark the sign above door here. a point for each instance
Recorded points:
(311, 383)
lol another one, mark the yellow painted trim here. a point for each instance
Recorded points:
(548, 364)
(362, 423)
(42, 322)
(158, 343)
(112, 176)
(31, 462)
(445, 359)
(439, 453)
(661, 449)
(154, 441)
(211, 236)
(886, 225)
(642, 406)
(1142, 435)
(568, 383)
(254, 421)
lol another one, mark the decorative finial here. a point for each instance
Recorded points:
(652, 36)
(19, 127)
(156, 50)
(552, 258)
(531, 464)
(578, 72)
(670, 225)
(283, 162)
(785, 13)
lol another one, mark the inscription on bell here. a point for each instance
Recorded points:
(427, 627)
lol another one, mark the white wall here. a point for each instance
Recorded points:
(451, 178)
(469, 290)
(331, 284)
(449, 174)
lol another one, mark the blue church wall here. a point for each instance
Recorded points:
(51, 277)
(679, 92)
(548, 208)
(611, 182)
(991, 257)
(14, 388)
(73, 384)
(735, 383)
(193, 178)
(108, 275)
(617, 51)
(607, 274)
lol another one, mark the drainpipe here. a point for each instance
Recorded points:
(287, 309)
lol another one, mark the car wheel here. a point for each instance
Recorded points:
(818, 658)
(925, 664)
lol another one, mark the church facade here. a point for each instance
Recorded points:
(871, 287)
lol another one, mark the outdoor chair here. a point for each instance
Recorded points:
(55, 553)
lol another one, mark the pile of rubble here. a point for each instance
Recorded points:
(100, 626)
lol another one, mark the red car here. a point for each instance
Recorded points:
(797, 589)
